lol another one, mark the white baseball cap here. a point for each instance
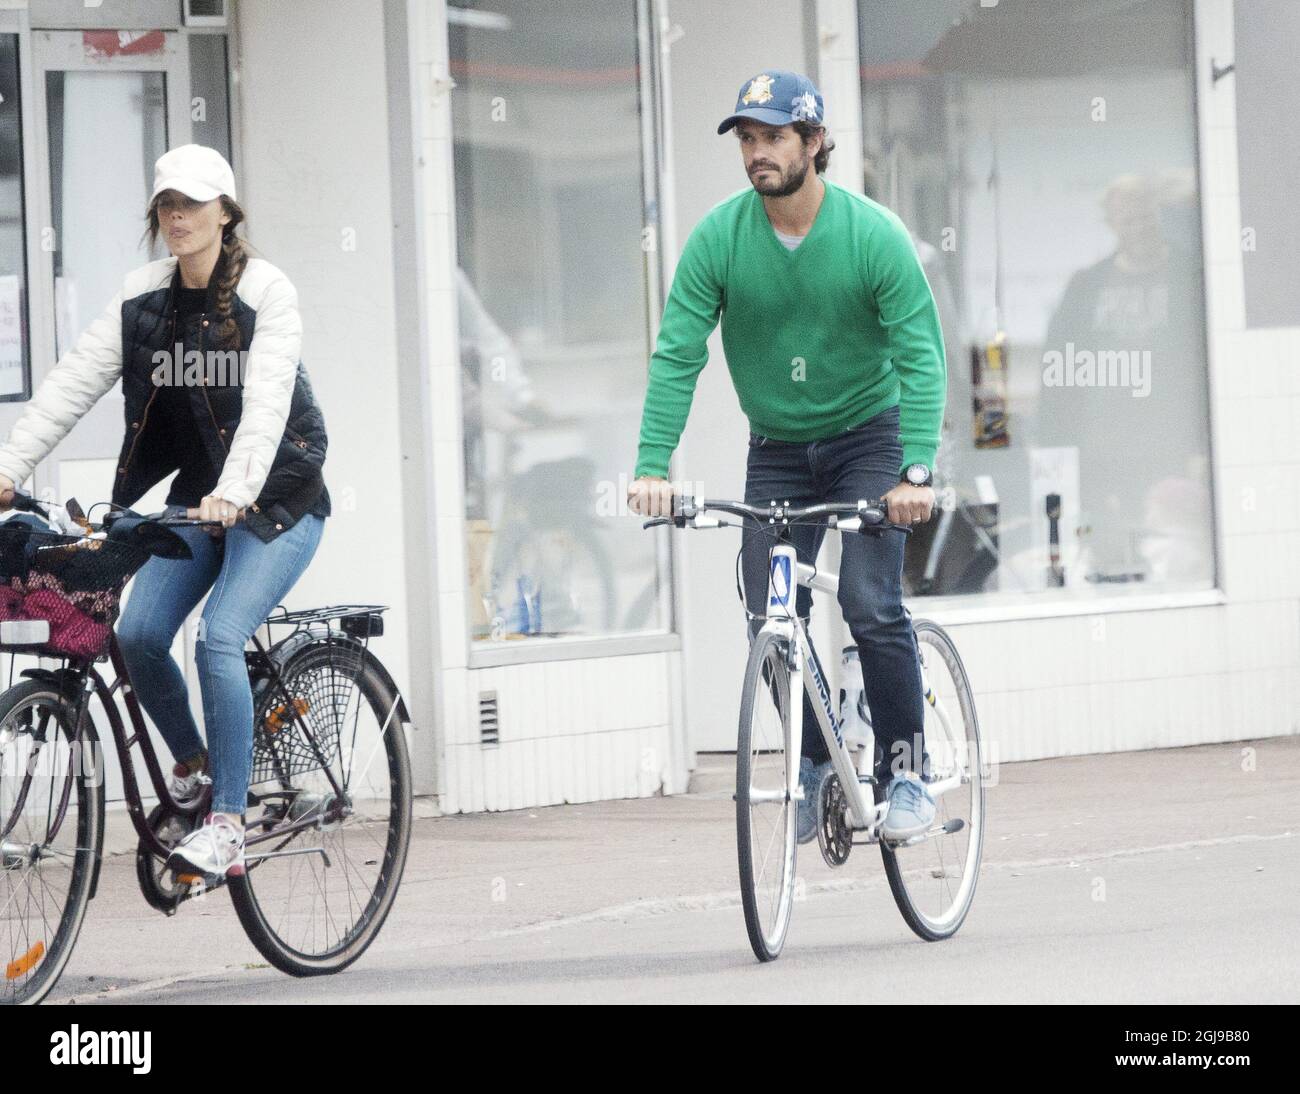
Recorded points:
(196, 171)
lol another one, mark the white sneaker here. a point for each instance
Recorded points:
(186, 788)
(213, 850)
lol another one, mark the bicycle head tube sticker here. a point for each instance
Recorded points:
(779, 589)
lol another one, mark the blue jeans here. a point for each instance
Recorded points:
(861, 462)
(248, 578)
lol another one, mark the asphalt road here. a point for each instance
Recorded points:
(1197, 854)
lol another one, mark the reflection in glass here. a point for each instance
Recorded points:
(553, 321)
(106, 130)
(1043, 154)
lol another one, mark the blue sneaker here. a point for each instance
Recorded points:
(911, 808)
(811, 777)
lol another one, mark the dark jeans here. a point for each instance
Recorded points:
(861, 462)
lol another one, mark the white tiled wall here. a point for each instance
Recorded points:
(569, 731)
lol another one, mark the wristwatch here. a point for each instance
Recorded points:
(917, 474)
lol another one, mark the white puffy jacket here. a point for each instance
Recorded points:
(91, 367)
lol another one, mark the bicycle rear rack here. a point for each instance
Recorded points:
(358, 620)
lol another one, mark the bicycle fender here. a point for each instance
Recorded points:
(65, 680)
(370, 661)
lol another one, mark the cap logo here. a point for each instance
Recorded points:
(759, 90)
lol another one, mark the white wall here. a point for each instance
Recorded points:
(313, 149)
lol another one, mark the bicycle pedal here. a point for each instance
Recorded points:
(197, 884)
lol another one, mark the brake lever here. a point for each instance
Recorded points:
(884, 526)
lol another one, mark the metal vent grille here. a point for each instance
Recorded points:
(489, 727)
(210, 13)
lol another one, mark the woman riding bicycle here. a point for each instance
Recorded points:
(206, 345)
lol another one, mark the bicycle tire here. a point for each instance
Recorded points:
(766, 652)
(89, 790)
(381, 695)
(923, 926)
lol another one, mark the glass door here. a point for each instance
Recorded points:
(107, 104)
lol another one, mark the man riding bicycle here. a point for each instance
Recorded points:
(833, 342)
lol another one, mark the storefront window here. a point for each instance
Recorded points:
(552, 297)
(1043, 154)
(15, 356)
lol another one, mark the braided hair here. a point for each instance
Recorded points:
(236, 253)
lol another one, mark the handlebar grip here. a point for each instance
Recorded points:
(26, 503)
(188, 522)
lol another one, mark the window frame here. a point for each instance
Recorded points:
(656, 190)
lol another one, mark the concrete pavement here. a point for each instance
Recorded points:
(637, 900)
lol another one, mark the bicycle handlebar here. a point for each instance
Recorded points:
(26, 503)
(690, 513)
(188, 522)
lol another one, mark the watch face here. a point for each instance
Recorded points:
(917, 474)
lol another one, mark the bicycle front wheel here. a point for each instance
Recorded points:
(933, 881)
(51, 809)
(765, 815)
(332, 787)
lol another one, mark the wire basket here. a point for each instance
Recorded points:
(73, 583)
(300, 734)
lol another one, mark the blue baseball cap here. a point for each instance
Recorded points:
(777, 97)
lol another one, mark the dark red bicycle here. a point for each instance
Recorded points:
(329, 805)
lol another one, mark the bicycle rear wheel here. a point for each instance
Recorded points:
(335, 755)
(51, 809)
(933, 881)
(765, 815)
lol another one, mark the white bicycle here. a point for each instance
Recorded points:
(932, 876)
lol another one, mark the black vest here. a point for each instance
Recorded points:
(295, 485)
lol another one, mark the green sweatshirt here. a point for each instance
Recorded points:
(817, 339)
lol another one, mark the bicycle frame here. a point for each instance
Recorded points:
(94, 684)
(807, 676)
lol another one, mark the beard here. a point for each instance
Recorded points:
(789, 181)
